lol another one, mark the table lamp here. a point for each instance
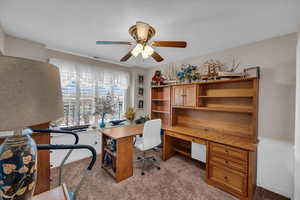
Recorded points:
(30, 94)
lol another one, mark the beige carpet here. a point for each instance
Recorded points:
(178, 179)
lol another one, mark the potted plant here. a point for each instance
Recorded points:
(130, 114)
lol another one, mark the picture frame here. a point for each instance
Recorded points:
(141, 104)
(252, 72)
(141, 79)
(141, 91)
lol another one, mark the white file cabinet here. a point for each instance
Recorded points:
(199, 152)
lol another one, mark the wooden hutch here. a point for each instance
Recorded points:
(220, 114)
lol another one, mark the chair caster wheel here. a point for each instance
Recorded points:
(158, 168)
(143, 173)
(139, 158)
(154, 159)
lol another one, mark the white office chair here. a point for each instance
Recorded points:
(151, 138)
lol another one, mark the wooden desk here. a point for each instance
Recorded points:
(221, 114)
(214, 137)
(123, 131)
(122, 167)
(230, 161)
(59, 193)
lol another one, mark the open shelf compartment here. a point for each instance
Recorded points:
(228, 97)
(160, 93)
(183, 148)
(161, 104)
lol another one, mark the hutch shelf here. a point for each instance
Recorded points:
(161, 104)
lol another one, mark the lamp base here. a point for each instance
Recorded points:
(18, 167)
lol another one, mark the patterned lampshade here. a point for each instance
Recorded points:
(30, 93)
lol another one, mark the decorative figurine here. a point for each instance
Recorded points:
(157, 79)
(213, 68)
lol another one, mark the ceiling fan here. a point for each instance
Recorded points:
(142, 33)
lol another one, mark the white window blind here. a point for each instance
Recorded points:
(82, 83)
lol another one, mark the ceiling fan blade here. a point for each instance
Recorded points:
(157, 57)
(113, 42)
(126, 57)
(176, 44)
(142, 30)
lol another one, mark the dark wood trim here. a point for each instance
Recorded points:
(262, 193)
(43, 174)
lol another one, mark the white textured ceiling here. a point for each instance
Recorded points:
(206, 25)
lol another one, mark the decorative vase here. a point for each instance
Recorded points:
(102, 123)
(18, 167)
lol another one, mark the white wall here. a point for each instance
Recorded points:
(277, 59)
(24, 48)
(2, 38)
(135, 72)
(297, 127)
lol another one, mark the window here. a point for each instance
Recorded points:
(82, 83)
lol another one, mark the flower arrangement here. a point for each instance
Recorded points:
(188, 73)
(129, 114)
(158, 78)
(142, 119)
(104, 105)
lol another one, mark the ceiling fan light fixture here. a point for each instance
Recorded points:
(145, 55)
(149, 50)
(142, 30)
(142, 33)
(137, 50)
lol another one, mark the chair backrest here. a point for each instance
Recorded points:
(151, 134)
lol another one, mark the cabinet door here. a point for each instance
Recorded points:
(229, 180)
(177, 96)
(190, 95)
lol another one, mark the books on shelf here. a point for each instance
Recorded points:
(109, 161)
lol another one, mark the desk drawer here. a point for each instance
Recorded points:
(180, 136)
(235, 182)
(232, 164)
(186, 137)
(229, 151)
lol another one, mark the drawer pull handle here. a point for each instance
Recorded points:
(226, 151)
(226, 178)
(226, 161)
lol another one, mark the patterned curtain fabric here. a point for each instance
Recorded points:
(82, 83)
